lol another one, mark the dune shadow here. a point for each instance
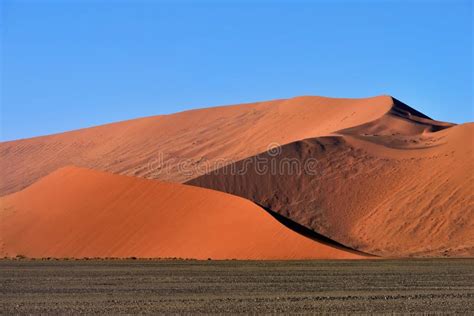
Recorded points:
(308, 233)
(399, 105)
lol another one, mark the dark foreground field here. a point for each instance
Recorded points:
(133, 286)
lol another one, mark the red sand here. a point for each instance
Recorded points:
(397, 186)
(391, 181)
(199, 137)
(76, 212)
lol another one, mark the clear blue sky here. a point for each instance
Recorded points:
(73, 64)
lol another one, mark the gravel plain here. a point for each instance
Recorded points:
(188, 286)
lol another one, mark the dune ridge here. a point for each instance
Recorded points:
(398, 186)
(76, 213)
(155, 147)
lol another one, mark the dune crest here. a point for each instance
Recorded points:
(158, 147)
(400, 185)
(76, 212)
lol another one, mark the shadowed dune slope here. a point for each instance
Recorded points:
(77, 212)
(179, 147)
(397, 186)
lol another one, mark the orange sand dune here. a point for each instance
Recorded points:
(389, 180)
(397, 186)
(76, 212)
(181, 146)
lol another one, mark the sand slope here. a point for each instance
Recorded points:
(397, 186)
(181, 146)
(76, 212)
(386, 178)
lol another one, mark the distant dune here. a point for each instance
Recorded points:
(199, 138)
(76, 212)
(383, 179)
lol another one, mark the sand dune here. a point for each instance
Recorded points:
(385, 179)
(397, 186)
(76, 212)
(181, 146)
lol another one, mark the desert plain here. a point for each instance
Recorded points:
(431, 286)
